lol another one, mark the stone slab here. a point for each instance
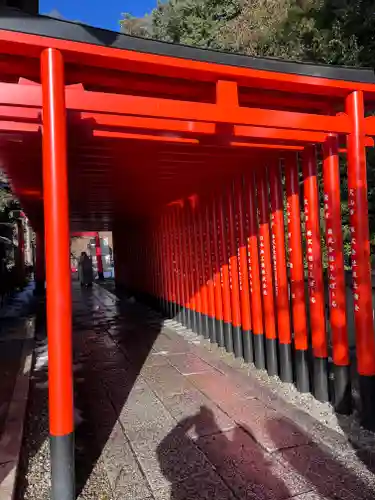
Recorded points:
(123, 471)
(206, 486)
(165, 380)
(189, 364)
(251, 472)
(250, 414)
(164, 344)
(141, 410)
(175, 459)
(206, 418)
(218, 387)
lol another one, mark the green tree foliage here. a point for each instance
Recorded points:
(327, 31)
(137, 26)
(190, 22)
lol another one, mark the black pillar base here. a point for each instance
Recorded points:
(342, 390)
(286, 365)
(174, 310)
(164, 307)
(237, 341)
(259, 354)
(179, 315)
(219, 327)
(186, 317)
(271, 357)
(205, 326)
(170, 309)
(189, 319)
(199, 323)
(41, 319)
(367, 392)
(167, 309)
(39, 289)
(194, 321)
(183, 315)
(100, 276)
(228, 337)
(62, 467)
(212, 329)
(248, 351)
(202, 330)
(320, 370)
(302, 370)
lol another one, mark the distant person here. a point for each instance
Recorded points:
(85, 271)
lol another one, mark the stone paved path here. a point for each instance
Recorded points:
(167, 418)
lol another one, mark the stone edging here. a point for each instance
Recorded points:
(11, 438)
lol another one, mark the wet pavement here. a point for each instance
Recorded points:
(16, 352)
(13, 335)
(162, 415)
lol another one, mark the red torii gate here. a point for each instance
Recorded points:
(181, 152)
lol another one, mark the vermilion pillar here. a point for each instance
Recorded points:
(280, 274)
(159, 246)
(180, 313)
(362, 290)
(175, 269)
(203, 272)
(233, 275)
(164, 257)
(196, 266)
(216, 260)
(297, 277)
(336, 276)
(266, 272)
(177, 265)
(160, 282)
(210, 272)
(59, 312)
(315, 274)
(171, 264)
(155, 267)
(243, 274)
(254, 272)
(191, 271)
(167, 267)
(186, 268)
(225, 275)
(172, 261)
(98, 252)
(181, 259)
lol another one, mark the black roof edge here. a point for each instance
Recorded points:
(15, 20)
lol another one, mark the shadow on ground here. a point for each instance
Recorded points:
(247, 471)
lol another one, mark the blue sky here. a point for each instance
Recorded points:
(105, 14)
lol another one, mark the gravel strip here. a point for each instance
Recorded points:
(34, 481)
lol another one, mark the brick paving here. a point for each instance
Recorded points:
(167, 417)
